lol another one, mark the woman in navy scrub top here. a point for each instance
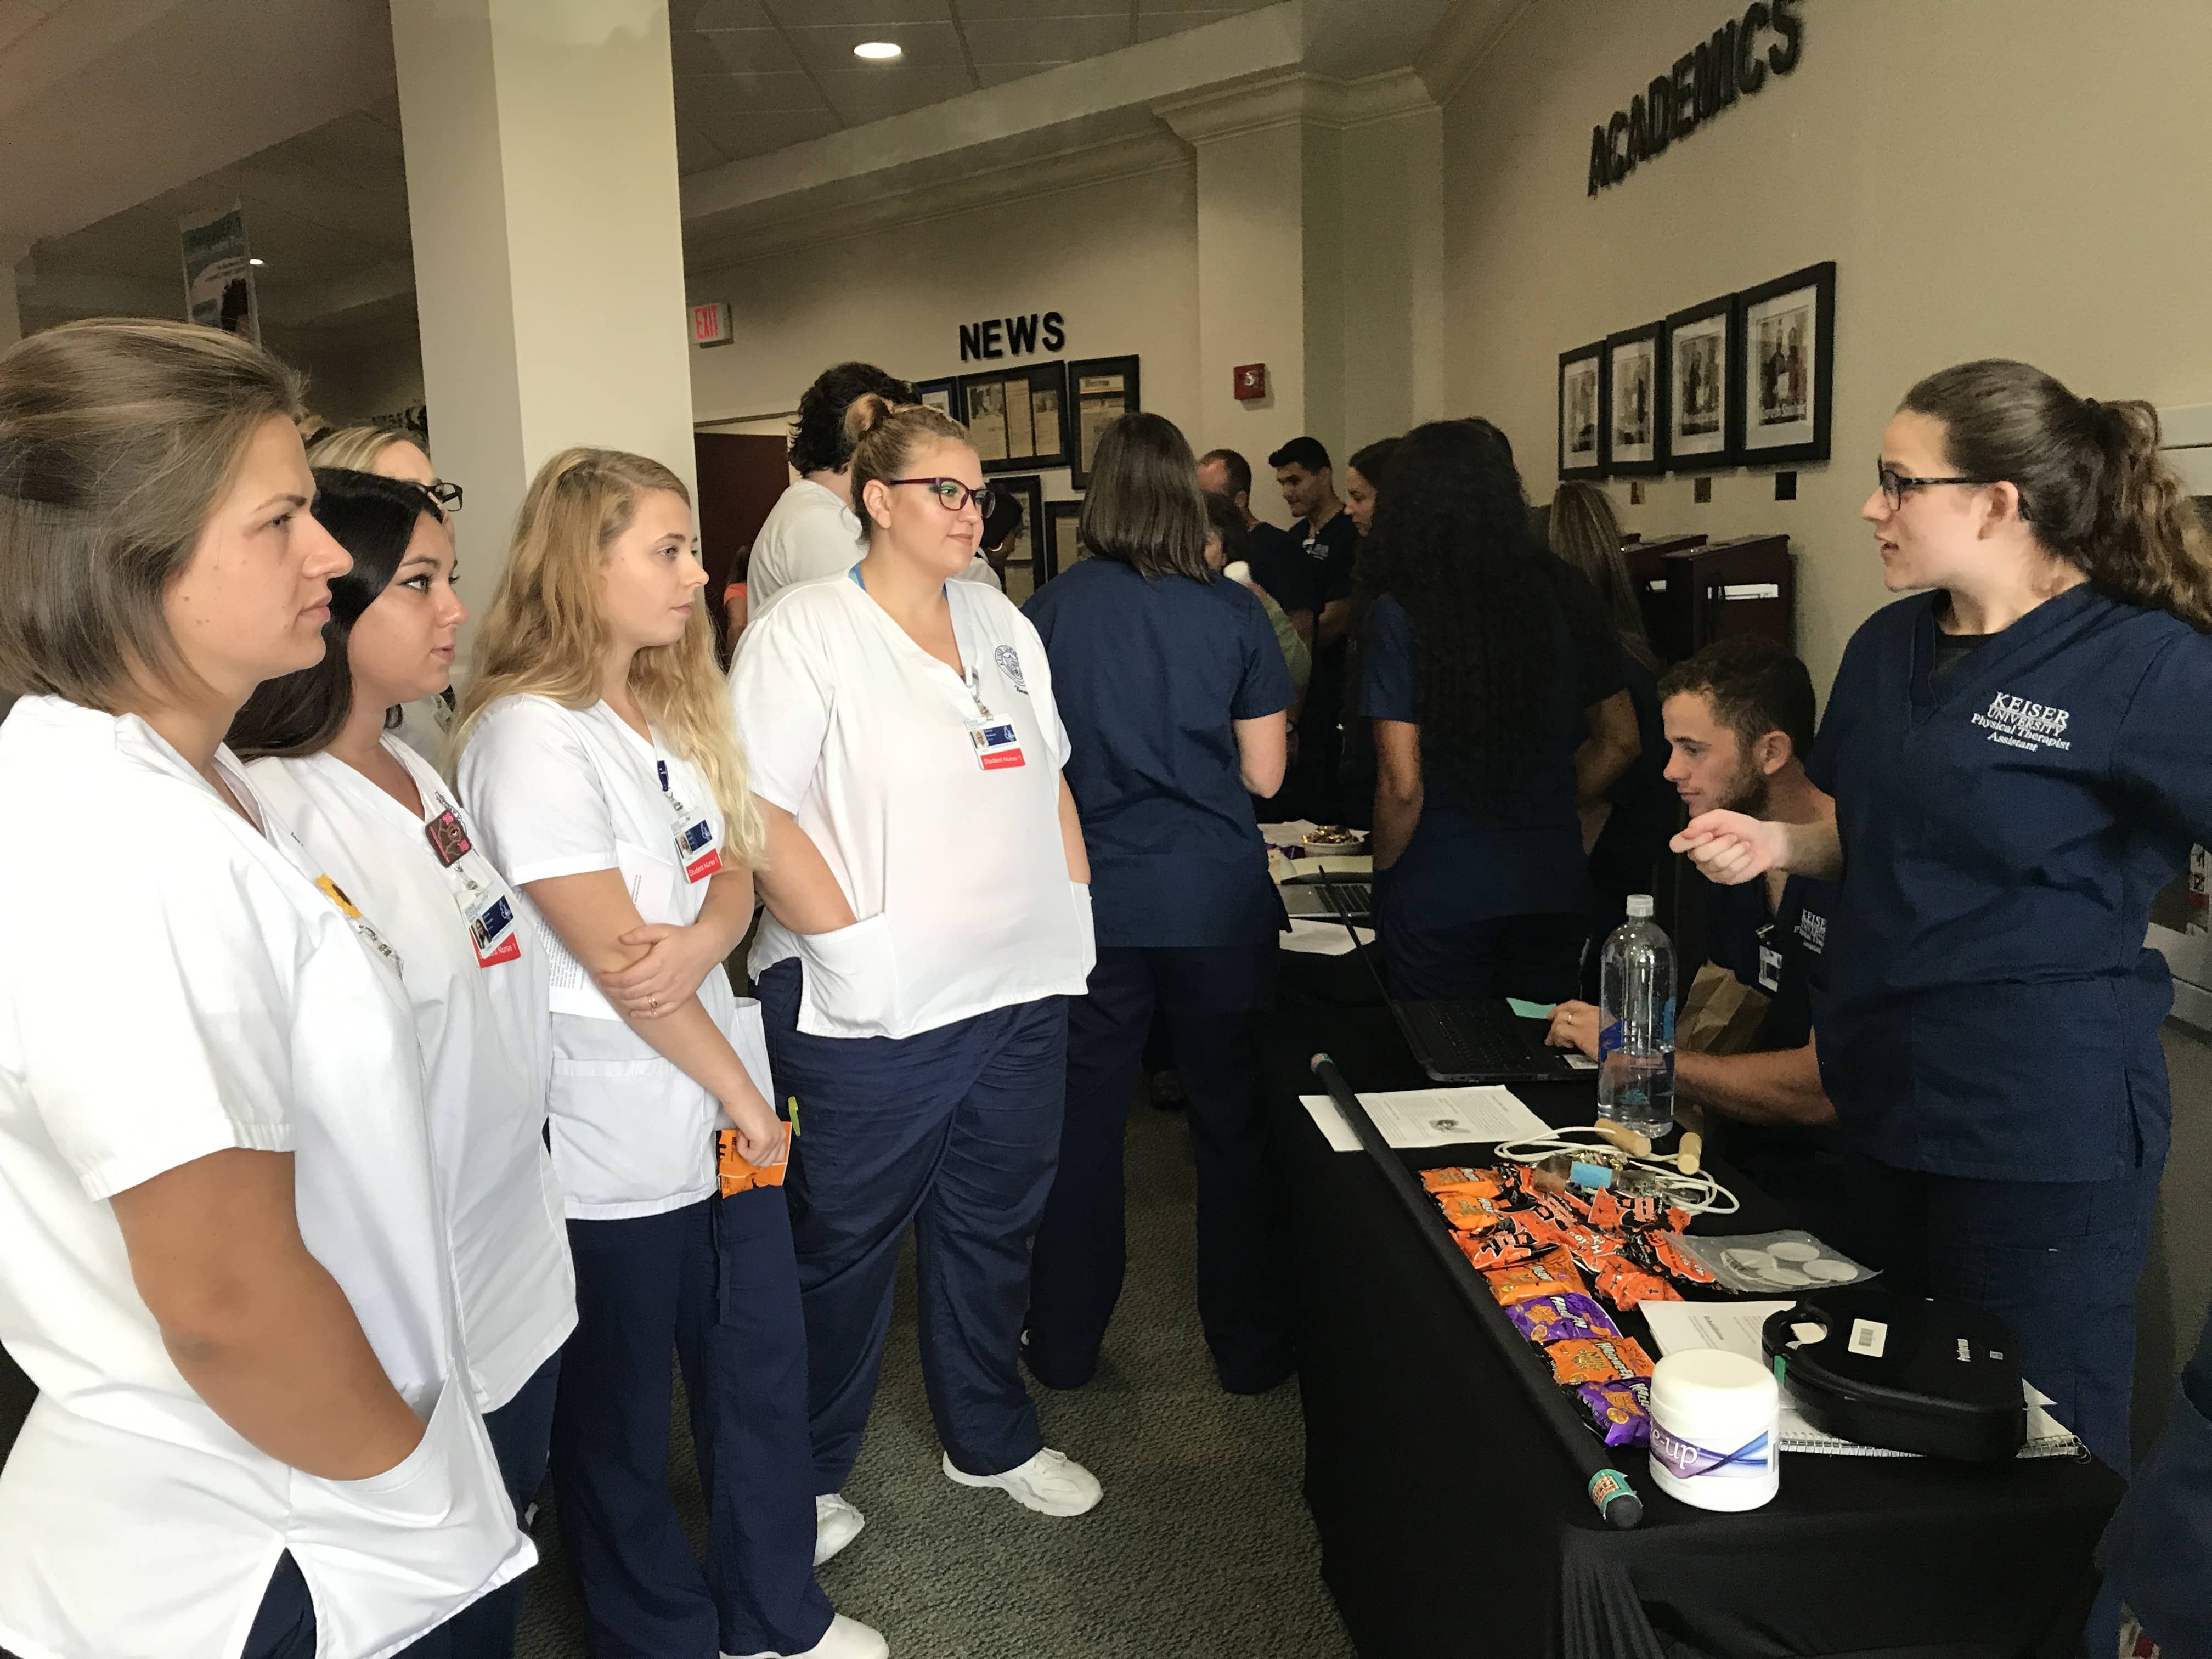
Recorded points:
(1497, 697)
(1174, 690)
(2019, 759)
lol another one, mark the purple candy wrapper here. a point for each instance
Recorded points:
(1562, 1316)
(1621, 1410)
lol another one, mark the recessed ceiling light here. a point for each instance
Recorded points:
(878, 51)
(256, 262)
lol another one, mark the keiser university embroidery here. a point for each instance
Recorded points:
(2018, 724)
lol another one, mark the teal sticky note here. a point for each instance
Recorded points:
(1530, 1010)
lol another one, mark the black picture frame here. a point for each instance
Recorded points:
(1788, 390)
(1096, 406)
(996, 392)
(1701, 374)
(1585, 361)
(1024, 569)
(946, 390)
(1061, 518)
(1636, 402)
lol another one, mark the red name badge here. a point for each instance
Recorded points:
(708, 863)
(493, 931)
(998, 745)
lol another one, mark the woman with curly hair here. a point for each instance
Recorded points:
(1497, 697)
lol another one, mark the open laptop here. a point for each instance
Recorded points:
(1466, 1041)
(1324, 898)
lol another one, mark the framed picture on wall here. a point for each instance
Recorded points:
(1785, 366)
(1582, 403)
(1017, 418)
(1635, 443)
(943, 395)
(1061, 546)
(1103, 389)
(1020, 568)
(1705, 398)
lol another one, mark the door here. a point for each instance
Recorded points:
(740, 476)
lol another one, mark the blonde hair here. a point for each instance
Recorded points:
(885, 436)
(545, 636)
(1585, 532)
(356, 447)
(117, 437)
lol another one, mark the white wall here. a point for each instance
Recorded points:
(2019, 177)
(1118, 259)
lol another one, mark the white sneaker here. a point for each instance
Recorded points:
(1051, 1483)
(836, 1524)
(846, 1638)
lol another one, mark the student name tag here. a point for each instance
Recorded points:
(695, 836)
(449, 838)
(492, 930)
(1770, 968)
(998, 745)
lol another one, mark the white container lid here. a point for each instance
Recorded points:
(1705, 1383)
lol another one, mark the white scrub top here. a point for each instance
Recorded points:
(173, 985)
(560, 792)
(955, 868)
(480, 1011)
(811, 533)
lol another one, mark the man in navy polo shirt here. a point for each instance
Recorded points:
(1739, 716)
(1325, 541)
(1278, 562)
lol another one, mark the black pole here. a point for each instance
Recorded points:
(1608, 1488)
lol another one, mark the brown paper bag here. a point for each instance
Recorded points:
(1720, 1015)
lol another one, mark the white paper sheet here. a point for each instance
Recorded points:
(1312, 937)
(1430, 1117)
(1735, 1328)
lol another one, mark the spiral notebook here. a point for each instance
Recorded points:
(1734, 1326)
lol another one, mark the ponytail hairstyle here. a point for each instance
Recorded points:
(545, 636)
(2093, 487)
(885, 436)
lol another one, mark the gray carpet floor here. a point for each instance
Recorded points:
(1202, 1545)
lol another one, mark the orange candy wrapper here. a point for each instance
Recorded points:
(1607, 1359)
(739, 1176)
(1554, 1273)
(1485, 1183)
(1468, 1210)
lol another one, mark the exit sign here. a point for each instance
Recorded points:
(710, 323)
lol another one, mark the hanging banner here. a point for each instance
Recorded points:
(219, 274)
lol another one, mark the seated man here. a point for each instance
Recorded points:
(1738, 716)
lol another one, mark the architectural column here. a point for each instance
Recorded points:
(13, 252)
(540, 139)
(1320, 254)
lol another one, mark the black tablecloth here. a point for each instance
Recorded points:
(1452, 1523)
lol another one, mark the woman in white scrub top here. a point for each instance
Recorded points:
(598, 759)
(320, 747)
(907, 754)
(228, 1262)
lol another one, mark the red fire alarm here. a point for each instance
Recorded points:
(1251, 382)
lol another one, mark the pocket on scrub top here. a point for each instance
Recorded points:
(628, 1132)
(848, 980)
(654, 882)
(748, 1035)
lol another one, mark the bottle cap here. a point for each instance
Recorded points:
(1639, 906)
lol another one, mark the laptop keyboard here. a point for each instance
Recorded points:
(1456, 1039)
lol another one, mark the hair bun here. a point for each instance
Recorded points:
(865, 414)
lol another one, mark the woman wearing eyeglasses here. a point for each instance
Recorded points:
(929, 913)
(2021, 759)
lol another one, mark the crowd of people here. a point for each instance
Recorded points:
(435, 1125)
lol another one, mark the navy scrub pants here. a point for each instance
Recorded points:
(2056, 1260)
(1211, 999)
(717, 1281)
(954, 1131)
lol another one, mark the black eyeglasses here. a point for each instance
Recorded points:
(448, 495)
(1895, 484)
(953, 495)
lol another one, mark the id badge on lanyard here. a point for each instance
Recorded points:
(1769, 963)
(486, 906)
(695, 835)
(998, 745)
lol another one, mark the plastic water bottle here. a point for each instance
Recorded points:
(1636, 1025)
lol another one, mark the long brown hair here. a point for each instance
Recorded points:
(1585, 532)
(545, 636)
(1144, 507)
(2094, 487)
(117, 437)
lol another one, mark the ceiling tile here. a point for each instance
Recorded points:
(718, 51)
(767, 94)
(984, 11)
(684, 16)
(1220, 8)
(1154, 25)
(740, 133)
(859, 96)
(870, 14)
(695, 151)
(1047, 39)
(829, 48)
(997, 75)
